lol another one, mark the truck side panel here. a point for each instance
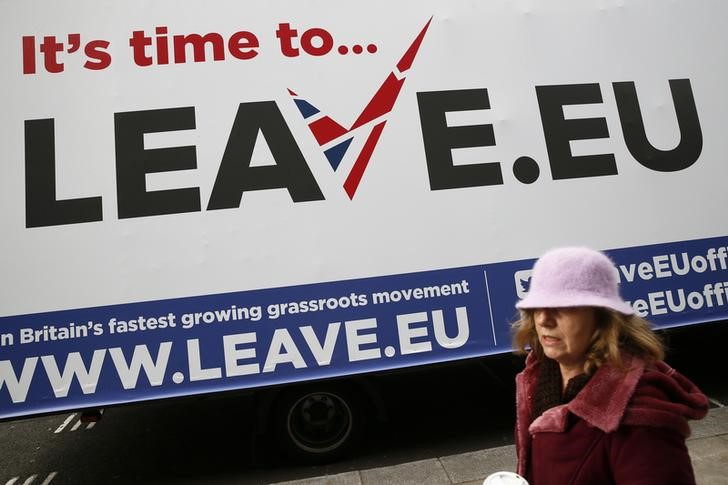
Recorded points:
(202, 198)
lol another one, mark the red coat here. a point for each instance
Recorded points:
(619, 429)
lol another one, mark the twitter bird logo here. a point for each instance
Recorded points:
(523, 282)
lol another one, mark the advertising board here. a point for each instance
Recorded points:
(200, 198)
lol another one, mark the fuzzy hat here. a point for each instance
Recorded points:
(574, 276)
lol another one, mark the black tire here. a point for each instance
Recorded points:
(319, 423)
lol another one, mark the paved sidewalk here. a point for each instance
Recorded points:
(708, 447)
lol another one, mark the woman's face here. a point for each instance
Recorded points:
(565, 333)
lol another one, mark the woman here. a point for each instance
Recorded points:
(596, 403)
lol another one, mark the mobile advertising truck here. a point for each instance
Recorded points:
(206, 197)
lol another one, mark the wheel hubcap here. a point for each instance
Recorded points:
(319, 422)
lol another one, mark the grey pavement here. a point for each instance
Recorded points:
(708, 447)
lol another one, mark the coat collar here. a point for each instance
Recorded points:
(602, 403)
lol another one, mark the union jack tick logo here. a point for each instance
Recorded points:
(335, 139)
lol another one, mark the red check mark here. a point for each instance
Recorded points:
(325, 129)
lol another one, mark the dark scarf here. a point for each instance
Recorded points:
(548, 387)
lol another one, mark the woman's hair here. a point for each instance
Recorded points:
(615, 332)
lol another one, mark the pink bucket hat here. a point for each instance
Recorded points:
(574, 276)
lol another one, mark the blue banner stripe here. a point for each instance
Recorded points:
(149, 350)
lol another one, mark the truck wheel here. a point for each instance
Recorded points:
(319, 424)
